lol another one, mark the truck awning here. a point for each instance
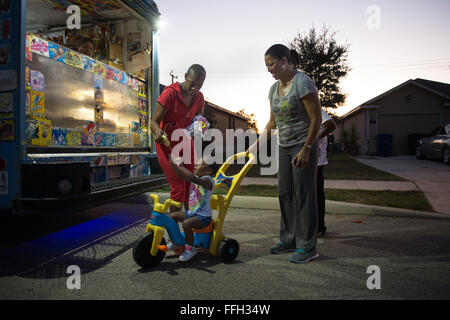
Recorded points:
(145, 8)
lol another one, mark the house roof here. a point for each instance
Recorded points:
(215, 106)
(439, 88)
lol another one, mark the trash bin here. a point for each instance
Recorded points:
(384, 145)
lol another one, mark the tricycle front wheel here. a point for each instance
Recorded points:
(228, 250)
(141, 252)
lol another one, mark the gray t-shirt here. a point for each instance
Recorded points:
(290, 115)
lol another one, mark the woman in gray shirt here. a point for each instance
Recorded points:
(296, 113)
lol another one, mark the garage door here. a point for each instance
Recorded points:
(400, 125)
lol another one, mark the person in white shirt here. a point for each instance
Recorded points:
(328, 126)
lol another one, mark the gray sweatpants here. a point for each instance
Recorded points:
(298, 199)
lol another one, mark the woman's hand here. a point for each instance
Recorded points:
(302, 158)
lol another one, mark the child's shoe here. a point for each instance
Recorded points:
(172, 247)
(188, 254)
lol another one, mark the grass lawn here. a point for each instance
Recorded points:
(343, 167)
(340, 167)
(414, 200)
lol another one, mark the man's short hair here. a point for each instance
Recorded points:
(197, 71)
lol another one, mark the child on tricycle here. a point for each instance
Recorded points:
(199, 213)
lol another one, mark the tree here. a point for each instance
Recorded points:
(251, 122)
(325, 61)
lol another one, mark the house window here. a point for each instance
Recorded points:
(408, 98)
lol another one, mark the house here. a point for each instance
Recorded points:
(222, 119)
(398, 117)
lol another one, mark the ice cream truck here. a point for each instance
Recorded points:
(74, 122)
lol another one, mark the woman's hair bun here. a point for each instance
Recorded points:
(295, 59)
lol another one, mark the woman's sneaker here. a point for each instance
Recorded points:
(188, 254)
(281, 248)
(302, 256)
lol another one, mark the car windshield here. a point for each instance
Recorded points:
(447, 129)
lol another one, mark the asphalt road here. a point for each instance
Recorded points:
(412, 253)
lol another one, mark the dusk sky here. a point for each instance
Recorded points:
(408, 39)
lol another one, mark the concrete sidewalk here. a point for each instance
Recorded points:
(332, 207)
(346, 184)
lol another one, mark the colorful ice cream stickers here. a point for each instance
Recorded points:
(109, 72)
(124, 159)
(37, 81)
(99, 69)
(98, 161)
(37, 104)
(144, 139)
(135, 127)
(56, 52)
(88, 133)
(59, 136)
(30, 129)
(43, 133)
(87, 63)
(117, 75)
(113, 159)
(73, 138)
(109, 140)
(98, 82)
(27, 102)
(27, 76)
(99, 139)
(143, 120)
(123, 140)
(141, 88)
(98, 95)
(136, 139)
(73, 59)
(142, 105)
(28, 53)
(123, 79)
(39, 46)
(98, 113)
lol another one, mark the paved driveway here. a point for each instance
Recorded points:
(432, 177)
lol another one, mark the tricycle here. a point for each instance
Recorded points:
(151, 248)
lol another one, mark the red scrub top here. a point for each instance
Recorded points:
(177, 116)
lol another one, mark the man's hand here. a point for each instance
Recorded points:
(161, 138)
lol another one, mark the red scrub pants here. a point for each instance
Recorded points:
(179, 188)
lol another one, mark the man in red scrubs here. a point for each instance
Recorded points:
(178, 104)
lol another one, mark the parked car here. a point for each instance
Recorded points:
(435, 145)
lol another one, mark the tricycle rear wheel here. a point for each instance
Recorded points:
(141, 252)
